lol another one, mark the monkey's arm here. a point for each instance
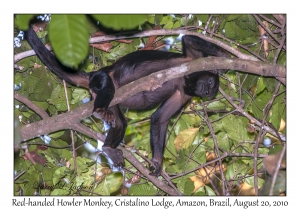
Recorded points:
(115, 136)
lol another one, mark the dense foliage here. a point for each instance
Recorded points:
(229, 145)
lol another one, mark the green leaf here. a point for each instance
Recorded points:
(43, 89)
(78, 94)
(58, 174)
(200, 156)
(18, 78)
(60, 192)
(270, 83)
(188, 187)
(217, 105)
(172, 169)
(260, 86)
(223, 141)
(235, 128)
(233, 31)
(22, 21)
(114, 181)
(42, 104)
(203, 18)
(169, 25)
(142, 190)
(139, 115)
(276, 116)
(176, 25)
(246, 22)
(166, 19)
(260, 103)
(250, 181)
(151, 19)
(57, 134)
(209, 191)
(102, 189)
(58, 98)
(69, 38)
(232, 17)
(275, 149)
(182, 162)
(29, 83)
(121, 22)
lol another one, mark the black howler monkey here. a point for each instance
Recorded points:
(172, 96)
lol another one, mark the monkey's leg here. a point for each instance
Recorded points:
(159, 123)
(195, 47)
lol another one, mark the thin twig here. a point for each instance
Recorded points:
(259, 136)
(277, 170)
(72, 132)
(267, 29)
(212, 132)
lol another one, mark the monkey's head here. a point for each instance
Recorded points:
(203, 84)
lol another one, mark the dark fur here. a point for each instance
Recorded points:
(172, 96)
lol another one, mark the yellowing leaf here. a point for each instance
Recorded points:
(197, 182)
(282, 125)
(185, 138)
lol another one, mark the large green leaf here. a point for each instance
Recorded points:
(43, 89)
(22, 21)
(69, 38)
(233, 31)
(276, 116)
(235, 129)
(119, 22)
(58, 98)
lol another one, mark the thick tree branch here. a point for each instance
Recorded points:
(155, 80)
(31, 105)
(161, 32)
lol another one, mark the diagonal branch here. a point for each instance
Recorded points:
(31, 105)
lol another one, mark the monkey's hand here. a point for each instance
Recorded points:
(155, 168)
(105, 115)
(116, 156)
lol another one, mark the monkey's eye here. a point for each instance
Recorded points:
(207, 92)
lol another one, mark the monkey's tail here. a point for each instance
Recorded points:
(75, 78)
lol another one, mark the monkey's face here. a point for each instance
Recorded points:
(203, 84)
(207, 86)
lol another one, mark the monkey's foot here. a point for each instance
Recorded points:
(116, 156)
(105, 115)
(155, 168)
